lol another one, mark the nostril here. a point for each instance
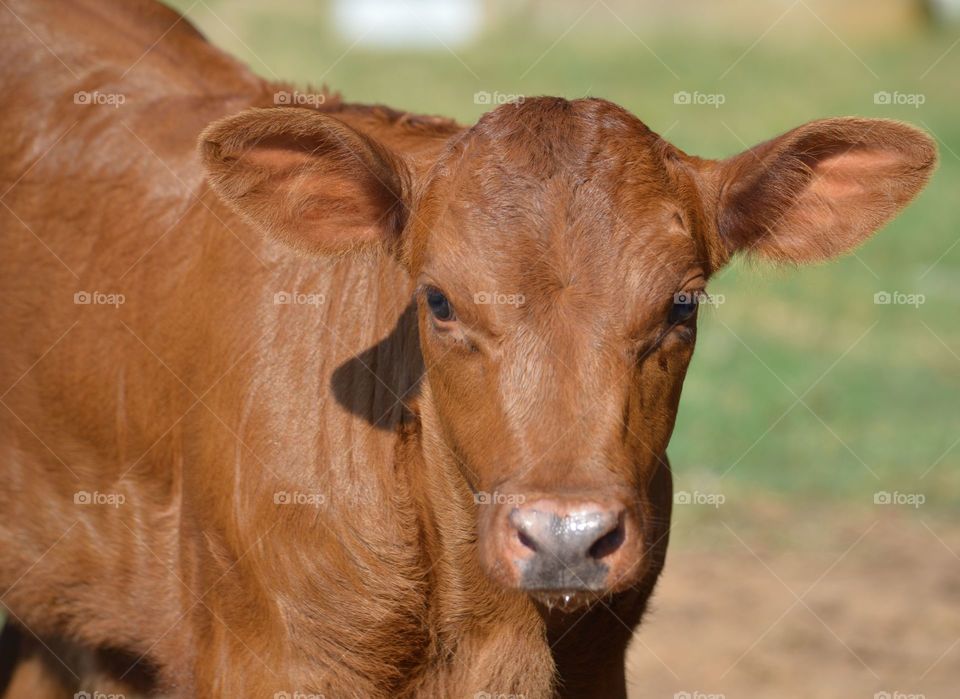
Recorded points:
(529, 527)
(573, 534)
(608, 543)
(527, 541)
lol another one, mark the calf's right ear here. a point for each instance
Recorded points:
(307, 179)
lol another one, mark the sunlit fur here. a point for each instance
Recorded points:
(200, 398)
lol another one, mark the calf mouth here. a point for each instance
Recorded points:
(567, 601)
(550, 573)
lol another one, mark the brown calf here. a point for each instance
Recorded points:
(423, 457)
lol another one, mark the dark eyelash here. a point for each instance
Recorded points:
(685, 332)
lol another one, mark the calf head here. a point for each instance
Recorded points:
(559, 251)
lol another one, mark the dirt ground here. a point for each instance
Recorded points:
(828, 603)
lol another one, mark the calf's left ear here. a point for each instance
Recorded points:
(819, 190)
(307, 179)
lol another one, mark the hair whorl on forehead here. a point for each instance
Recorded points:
(543, 136)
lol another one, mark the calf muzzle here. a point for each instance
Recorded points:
(553, 544)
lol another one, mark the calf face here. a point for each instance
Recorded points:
(560, 250)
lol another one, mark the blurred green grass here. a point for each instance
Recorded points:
(880, 384)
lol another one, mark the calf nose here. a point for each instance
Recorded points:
(568, 546)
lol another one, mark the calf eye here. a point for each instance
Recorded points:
(684, 306)
(439, 305)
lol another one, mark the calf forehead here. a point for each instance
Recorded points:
(570, 204)
(547, 157)
(544, 135)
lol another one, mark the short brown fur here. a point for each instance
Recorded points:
(200, 399)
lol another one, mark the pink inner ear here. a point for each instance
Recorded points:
(820, 190)
(314, 195)
(846, 193)
(318, 208)
(841, 205)
(307, 179)
(273, 158)
(851, 173)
